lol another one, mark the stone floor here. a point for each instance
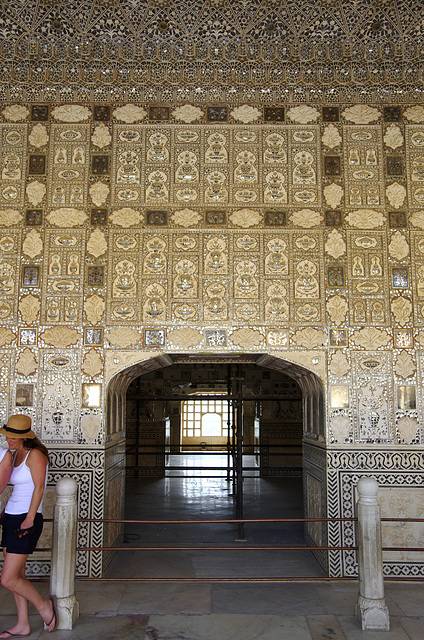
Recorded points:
(134, 610)
(227, 611)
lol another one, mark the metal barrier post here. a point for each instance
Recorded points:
(64, 543)
(370, 610)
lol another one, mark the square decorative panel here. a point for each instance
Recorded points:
(40, 112)
(157, 218)
(400, 278)
(27, 336)
(338, 338)
(158, 114)
(277, 337)
(100, 165)
(98, 217)
(31, 276)
(333, 218)
(392, 113)
(335, 277)
(394, 166)
(217, 218)
(101, 113)
(406, 398)
(34, 217)
(330, 114)
(37, 165)
(274, 114)
(154, 337)
(95, 276)
(397, 219)
(91, 395)
(339, 396)
(275, 218)
(93, 336)
(332, 166)
(217, 114)
(215, 338)
(24, 395)
(403, 338)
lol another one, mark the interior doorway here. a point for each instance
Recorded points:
(219, 437)
(210, 406)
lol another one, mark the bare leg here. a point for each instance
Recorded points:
(22, 626)
(13, 578)
(22, 607)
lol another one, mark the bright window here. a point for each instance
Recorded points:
(205, 418)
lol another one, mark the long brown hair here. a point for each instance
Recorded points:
(35, 443)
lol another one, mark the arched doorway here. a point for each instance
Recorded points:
(270, 404)
(191, 407)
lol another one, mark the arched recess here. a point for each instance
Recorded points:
(126, 369)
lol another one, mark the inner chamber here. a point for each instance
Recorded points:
(214, 440)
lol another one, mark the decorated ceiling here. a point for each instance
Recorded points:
(212, 50)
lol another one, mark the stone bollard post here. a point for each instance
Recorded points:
(64, 543)
(370, 610)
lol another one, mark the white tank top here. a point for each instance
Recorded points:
(3, 452)
(23, 488)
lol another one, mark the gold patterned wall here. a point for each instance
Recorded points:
(293, 230)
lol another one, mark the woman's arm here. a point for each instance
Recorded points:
(5, 470)
(37, 463)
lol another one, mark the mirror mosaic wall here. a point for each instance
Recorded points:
(297, 232)
(220, 180)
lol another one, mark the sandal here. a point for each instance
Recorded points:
(53, 618)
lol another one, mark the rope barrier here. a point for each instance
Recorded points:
(224, 520)
(213, 548)
(239, 547)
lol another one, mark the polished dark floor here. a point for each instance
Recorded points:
(193, 495)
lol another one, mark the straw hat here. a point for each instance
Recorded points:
(18, 426)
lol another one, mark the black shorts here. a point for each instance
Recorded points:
(10, 540)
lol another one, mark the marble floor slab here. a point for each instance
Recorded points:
(166, 598)
(105, 601)
(129, 627)
(414, 627)
(408, 597)
(270, 599)
(228, 627)
(213, 611)
(325, 628)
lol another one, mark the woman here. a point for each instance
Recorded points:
(23, 522)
